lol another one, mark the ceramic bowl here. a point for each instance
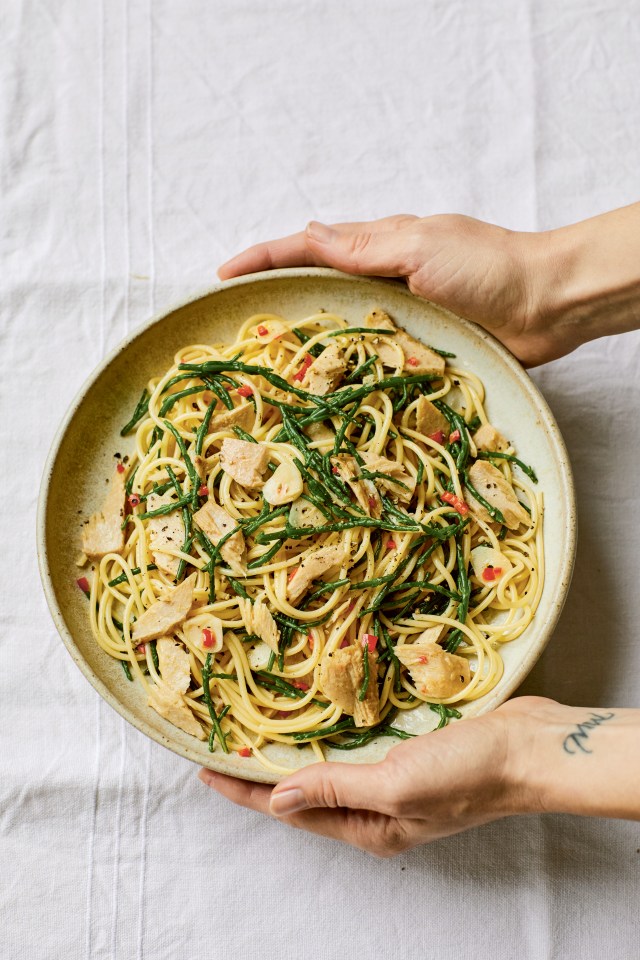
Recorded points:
(81, 458)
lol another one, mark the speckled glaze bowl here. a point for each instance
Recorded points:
(81, 458)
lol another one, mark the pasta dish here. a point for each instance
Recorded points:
(318, 530)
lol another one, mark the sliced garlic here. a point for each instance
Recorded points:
(284, 485)
(483, 557)
(259, 656)
(274, 328)
(304, 514)
(320, 431)
(193, 628)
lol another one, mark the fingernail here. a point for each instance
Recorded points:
(320, 232)
(207, 777)
(287, 801)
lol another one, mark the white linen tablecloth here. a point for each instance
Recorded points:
(141, 144)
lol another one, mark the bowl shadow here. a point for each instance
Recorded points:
(581, 664)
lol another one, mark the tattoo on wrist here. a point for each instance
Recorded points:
(576, 741)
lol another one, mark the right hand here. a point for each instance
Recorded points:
(490, 275)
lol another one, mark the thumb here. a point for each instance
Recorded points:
(358, 786)
(366, 248)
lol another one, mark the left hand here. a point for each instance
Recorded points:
(429, 787)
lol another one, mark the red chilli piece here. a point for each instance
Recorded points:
(120, 468)
(345, 643)
(262, 330)
(423, 660)
(372, 503)
(391, 544)
(208, 639)
(306, 363)
(83, 583)
(370, 640)
(244, 752)
(489, 574)
(454, 437)
(299, 684)
(413, 361)
(134, 500)
(292, 574)
(203, 491)
(245, 390)
(437, 437)
(457, 503)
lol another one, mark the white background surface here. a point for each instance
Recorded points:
(141, 144)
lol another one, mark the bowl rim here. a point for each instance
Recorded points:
(559, 449)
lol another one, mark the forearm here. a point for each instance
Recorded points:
(584, 279)
(577, 760)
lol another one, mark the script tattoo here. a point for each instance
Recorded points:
(576, 742)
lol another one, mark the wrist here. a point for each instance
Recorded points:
(553, 302)
(527, 722)
(576, 760)
(582, 281)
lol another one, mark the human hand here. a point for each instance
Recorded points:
(541, 294)
(475, 269)
(429, 787)
(530, 755)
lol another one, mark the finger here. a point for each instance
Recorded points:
(246, 793)
(360, 828)
(332, 785)
(289, 251)
(376, 246)
(385, 248)
(363, 829)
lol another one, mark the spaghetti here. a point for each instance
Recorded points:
(303, 558)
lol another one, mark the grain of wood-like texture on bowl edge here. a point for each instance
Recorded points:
(82, 458)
